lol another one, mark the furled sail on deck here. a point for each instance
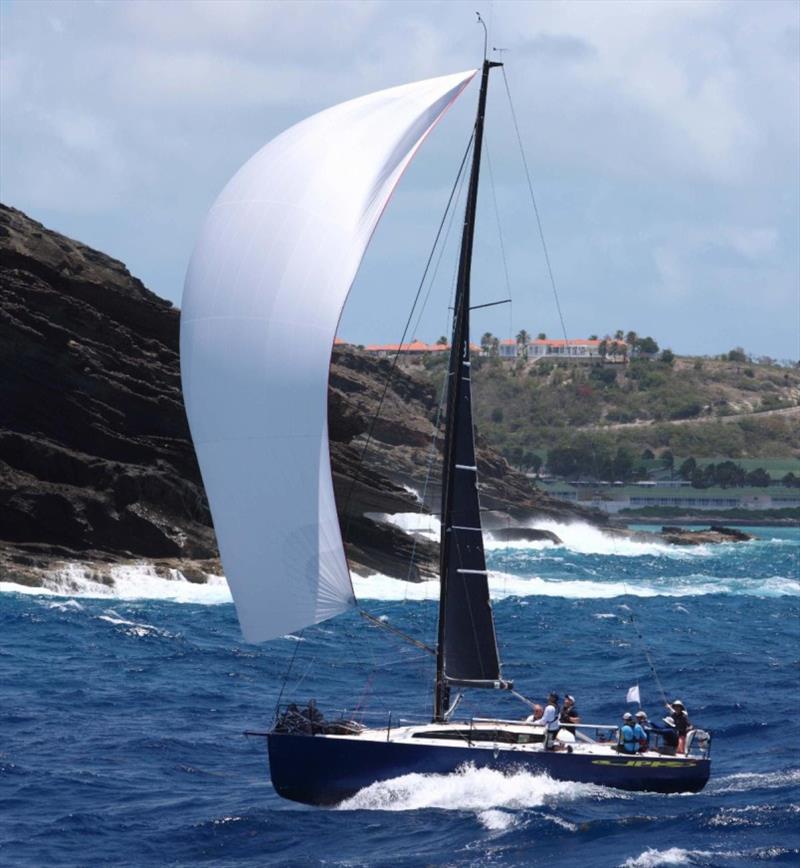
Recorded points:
(264, 292)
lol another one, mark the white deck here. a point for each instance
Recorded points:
(471, 732)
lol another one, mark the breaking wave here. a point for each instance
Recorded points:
(578, 537)
(652, 858)
(485, 791)
(505, 585)
(142, 582)
(126, 582)
(586, 539)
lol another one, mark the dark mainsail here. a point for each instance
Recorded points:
(467, 646)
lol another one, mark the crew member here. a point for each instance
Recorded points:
(569, 714)
(538, 711)
(550, 722)
(639, 735)
(682, 724)
(627, 738)
(644, 724)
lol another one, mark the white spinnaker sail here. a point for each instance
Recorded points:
(264, 292)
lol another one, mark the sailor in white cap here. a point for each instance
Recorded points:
(569, 713)
(627, 740)
(681, 721)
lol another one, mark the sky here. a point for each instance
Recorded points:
(662, 140)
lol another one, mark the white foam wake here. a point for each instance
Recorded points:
(471, 789)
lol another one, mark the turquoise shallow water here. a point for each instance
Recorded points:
(122, 717)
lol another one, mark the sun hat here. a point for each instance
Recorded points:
(627, 716)
(669, 721)
(679, 704)
(641, 713)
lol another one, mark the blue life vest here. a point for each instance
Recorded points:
(629, 743)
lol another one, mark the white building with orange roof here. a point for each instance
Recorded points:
(415, 348)
(575, 349)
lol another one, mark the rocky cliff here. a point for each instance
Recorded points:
(95, 457)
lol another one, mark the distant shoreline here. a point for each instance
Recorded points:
(758, 520)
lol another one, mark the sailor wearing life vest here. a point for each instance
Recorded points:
(628, 741)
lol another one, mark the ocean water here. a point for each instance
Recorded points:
(122, 714)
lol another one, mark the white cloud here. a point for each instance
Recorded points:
(662, 136)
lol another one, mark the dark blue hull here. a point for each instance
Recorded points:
(325, 770)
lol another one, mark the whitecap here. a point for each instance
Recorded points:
(744, 781)
(652, 858)
(66, 606)
(133, 628)
(497, 821)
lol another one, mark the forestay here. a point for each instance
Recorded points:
(264, 292)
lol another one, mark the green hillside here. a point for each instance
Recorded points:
(699, 407)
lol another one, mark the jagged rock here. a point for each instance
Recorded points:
(96, 463)
(684, 537)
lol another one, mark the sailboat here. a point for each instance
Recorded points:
(264, 292)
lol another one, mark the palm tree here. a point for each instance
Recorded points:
(541, 336)
(487, 342)
(523, 339)
(442, 341)
(631, 338)
(619, 335)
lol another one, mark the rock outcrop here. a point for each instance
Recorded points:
(681, 536)
(95, 457)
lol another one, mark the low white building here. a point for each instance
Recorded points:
(577, 349)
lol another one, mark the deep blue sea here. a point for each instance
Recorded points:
(122, 714)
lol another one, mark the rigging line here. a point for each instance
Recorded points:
(296, 688)
(634, 623)
(424, 494)
(443, 246)
(650, 663)
(535, 207)
(394, 630)
(285, 679)
(497, 214)
(632, 618)
(393, 367)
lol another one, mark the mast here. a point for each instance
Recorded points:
(466, 653)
